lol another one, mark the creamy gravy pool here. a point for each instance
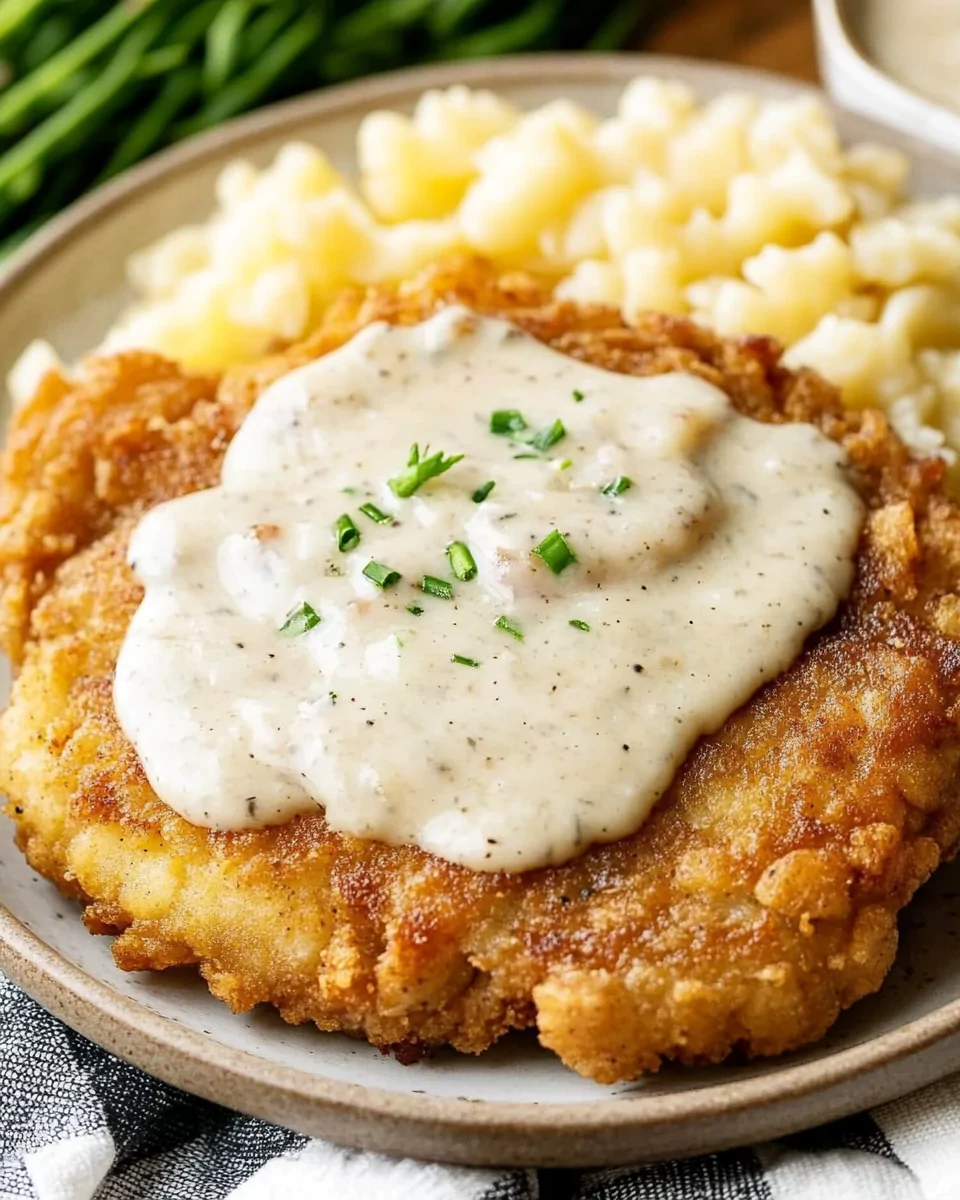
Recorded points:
(549, 701)
(918, 43)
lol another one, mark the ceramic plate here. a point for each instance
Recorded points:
(515, 1104)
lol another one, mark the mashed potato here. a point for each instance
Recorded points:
(748, 215)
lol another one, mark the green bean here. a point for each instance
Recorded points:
(447, 16)
(618, 25)
(66, 89)
(148, 131)
(223, 43)
(20, 97)
(26, 184)
(162, 61)
(518, 33)
(246, 89)
(48, 39)
(16, 13)
(192, 27)
(377, 16)
(97, 84)
(86, 105)
(261, 32)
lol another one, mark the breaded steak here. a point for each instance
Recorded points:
(758, 900)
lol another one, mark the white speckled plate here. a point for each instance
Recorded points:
(516, 1103)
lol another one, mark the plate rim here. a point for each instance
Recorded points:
(455, 1130)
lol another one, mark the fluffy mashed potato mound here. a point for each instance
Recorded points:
(747, 215)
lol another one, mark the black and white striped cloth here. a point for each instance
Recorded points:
(78, 1124)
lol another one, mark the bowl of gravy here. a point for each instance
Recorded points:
(895, 61)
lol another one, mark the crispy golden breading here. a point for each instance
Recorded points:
(758, 900)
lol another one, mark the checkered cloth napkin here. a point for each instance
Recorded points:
(78, 1124)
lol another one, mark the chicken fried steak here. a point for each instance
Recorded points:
(756, 902)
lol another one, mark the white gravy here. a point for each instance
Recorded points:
(698, 583)
(918, 43)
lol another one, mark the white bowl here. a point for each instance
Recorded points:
(857, 84)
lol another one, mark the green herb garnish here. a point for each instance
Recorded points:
(348, 535)
(463, 660)
(616, 487)
(415, 609)
(419, 470)
(518, 456)
(509, 422)
(544, 438)
(462, 562)
(299, 620)
(555, 552)
(437, 587)
(506, 421)
(483, 491)
(376, 514)
(382, 576)
(508, 626)
(580, 625)
(578, 396)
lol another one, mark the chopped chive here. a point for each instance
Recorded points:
(437, 587)
(415, 609)
(463, 660)
(578, 396)
(517, 456)
(555, 552)
(462, 562)
(616, 487)
(544, 438)
(348, 535)
(349, 491)
(376, 514)
(506, 421)
(299, 620)
(509, 422)
(382, 576)
(483, 491)
(508, 626)
(566, 464)
(580, 625)
(419, 470)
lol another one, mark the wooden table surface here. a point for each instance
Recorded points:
(774, 34)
